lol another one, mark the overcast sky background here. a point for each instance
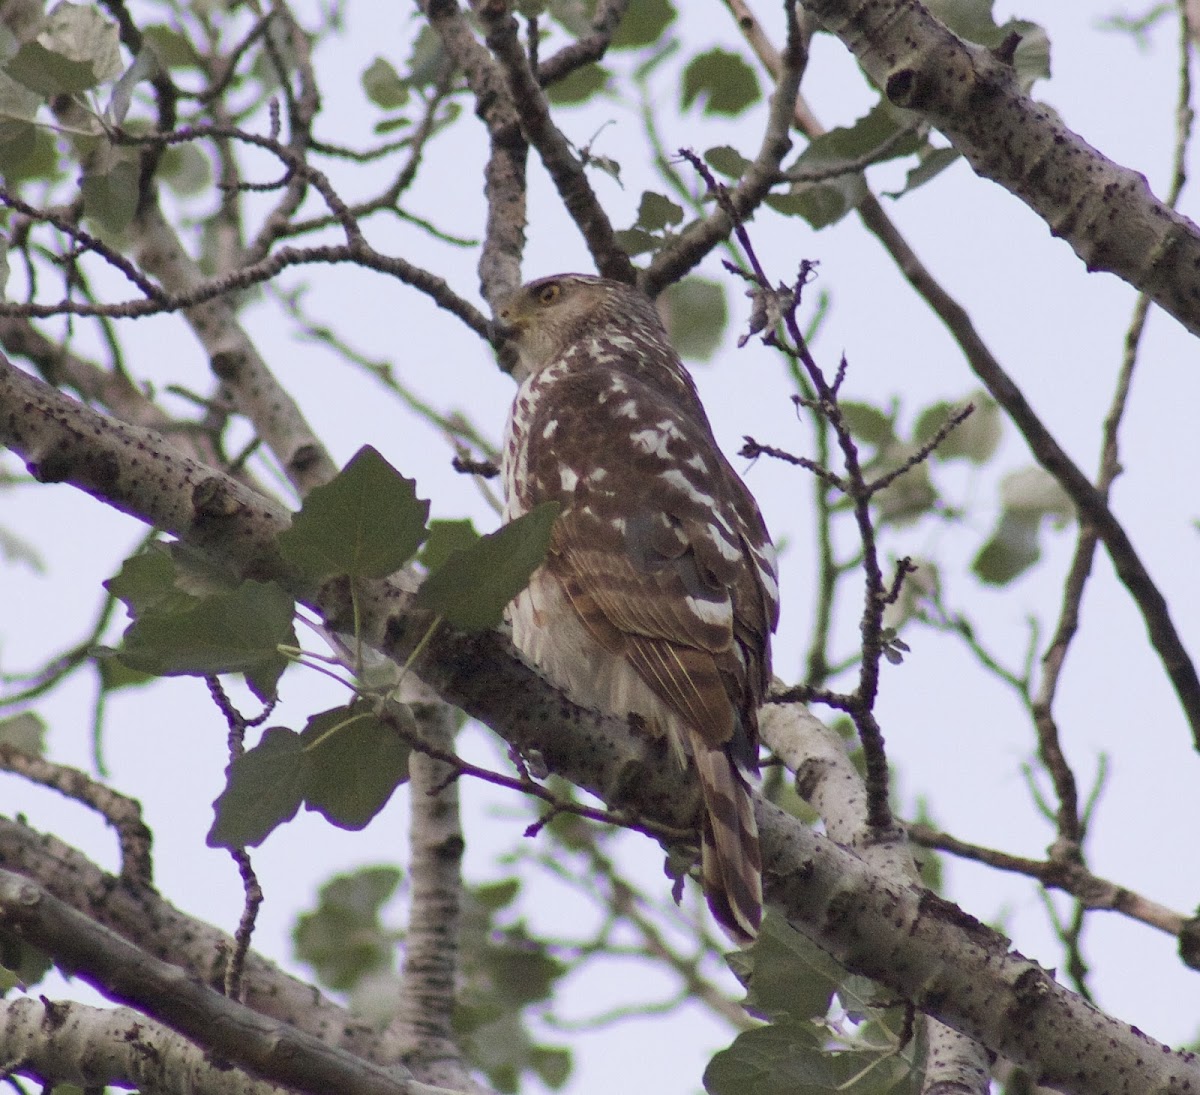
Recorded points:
(955, 736)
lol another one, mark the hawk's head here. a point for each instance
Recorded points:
(544, 318)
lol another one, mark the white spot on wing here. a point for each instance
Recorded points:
(548, 432)
(680, 481)
(628, 409)
(650, 441)
(730, 551)
(719, 613)
(567, 478)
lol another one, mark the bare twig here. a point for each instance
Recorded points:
(122, 813)
(1058, 874)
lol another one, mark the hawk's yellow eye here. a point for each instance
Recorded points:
(548, 294)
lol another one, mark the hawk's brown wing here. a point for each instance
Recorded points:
(676, 629)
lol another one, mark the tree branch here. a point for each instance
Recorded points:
(424, 1021)
(266, 1048)
(1106, 212)
(63, 1042)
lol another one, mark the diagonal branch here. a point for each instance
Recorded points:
(701, 236)
(64, 1042)
(1106, 212)
(266, 1048)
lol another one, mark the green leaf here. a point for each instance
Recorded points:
(427, 60)
(933, 161)
(725, 83)
(110, 197)
(657, 212)
(868, 423)
(13, 548)
(25, 732)
(473, 586)
(876, 132)
(727, 161)
(366, 522)
(383, 85)
(1034, 490)
(446, 537)
(236, 632)
(264, 788)
(80, 33)
(29, 152)
(144, 67)
(970, 19)
(552, 1064)
(174, 50)
(578, 86)
(643, 24)
(49, 73)
(910, 495)
(115, 674)
(1032, 59)
(18, 106)
(790, 977)
(695, 316)
(27, 964)
(974, 439)
(821, 204)
(494, 896)
(343, 939)
(1011, 550)
(781, 1059)
(77, 49)
(633, 241)
(353, 763)
(146, 582)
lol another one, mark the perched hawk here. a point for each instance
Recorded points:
(658, 595)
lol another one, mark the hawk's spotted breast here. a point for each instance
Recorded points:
(658, 594)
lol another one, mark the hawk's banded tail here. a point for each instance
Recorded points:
(730, 859)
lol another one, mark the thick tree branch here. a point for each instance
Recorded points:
(143, 918)
(921, 947)
(63, 1042)
(266, 1048)
(587, 49)
(1106, 212)
(504, 176)
(827, 779)
(122, 813)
